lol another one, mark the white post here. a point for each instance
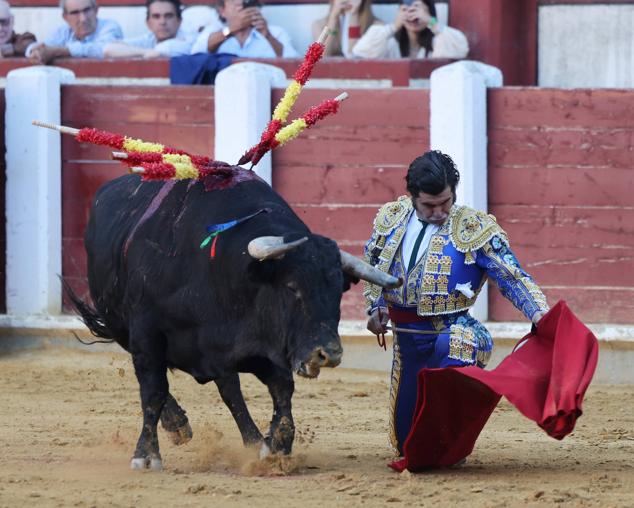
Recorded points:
(458, 128)
(242, 100)
(33, 191)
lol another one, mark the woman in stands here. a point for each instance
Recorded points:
(414, 33)
(348, 21)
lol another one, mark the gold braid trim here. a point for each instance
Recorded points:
(470, 229)
(390, 217)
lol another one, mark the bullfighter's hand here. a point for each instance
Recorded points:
(537, 316)
(377, 324)
(259, 23)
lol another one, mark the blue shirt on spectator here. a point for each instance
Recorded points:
(255, 46)
(91, 46)
(179, 45)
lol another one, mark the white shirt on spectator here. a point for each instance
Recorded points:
(255, 46)
(179, 45)
(91, 46)
(378, 42)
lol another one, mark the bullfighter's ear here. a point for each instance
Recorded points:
(262, 272)
(348, 280)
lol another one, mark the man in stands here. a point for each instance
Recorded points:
(243, 31)
(164, 38)
(11, 44)
(83, 35)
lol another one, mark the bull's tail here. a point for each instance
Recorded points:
(91, 318)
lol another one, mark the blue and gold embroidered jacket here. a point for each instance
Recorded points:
(469, 248)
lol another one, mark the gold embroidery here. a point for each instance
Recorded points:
(462, 344)
(394, 386)
(451, 303)
(433, 263)
(440, 305)
(445, 265)
(471, 229)
(425, 305)
(436, 244)
(441, 284)
(429, 285)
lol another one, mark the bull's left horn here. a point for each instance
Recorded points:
(365, 271)
(271, 247)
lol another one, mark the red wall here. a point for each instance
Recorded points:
(560, 164)
(561, 184)
(173, 115)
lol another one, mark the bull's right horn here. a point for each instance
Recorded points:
(354, 266)
(271, 247)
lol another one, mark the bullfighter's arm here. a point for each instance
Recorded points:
(501, 266)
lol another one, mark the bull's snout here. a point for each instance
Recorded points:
(322, 356)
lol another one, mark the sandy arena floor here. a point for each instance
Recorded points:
(70, 421)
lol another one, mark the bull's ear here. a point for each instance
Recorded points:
(348, 280)
(262, 272)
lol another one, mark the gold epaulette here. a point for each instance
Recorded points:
(391, 215)
(471, 229)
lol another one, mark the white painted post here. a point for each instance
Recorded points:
(458, 128)
(33, 191)
(242, 99)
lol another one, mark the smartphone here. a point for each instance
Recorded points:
(251, 3)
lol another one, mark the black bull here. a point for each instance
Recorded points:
(264, 305)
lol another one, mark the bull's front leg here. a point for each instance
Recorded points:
(229, 389)
(282, 430)
(148, 357)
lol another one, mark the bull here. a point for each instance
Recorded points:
(267, 303)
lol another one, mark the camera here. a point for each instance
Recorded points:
(250, 3)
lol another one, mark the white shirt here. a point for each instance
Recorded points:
(255, 45)
(411, 233)
(180, 44)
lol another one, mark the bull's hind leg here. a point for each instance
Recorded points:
(282, 430)
(148, 357)
(174, 421)
(229, 388)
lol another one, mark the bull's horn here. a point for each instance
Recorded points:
(271, 247)
(354, 266)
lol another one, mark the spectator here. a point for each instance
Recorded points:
(348, 21)
(84, 35)
(11, 44)
(243, 31)
(415, 33)
(164, 38)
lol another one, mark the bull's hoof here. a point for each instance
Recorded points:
(281, 439)
(153, 463)
(181, 435)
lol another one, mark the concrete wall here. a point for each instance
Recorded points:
(586, 46)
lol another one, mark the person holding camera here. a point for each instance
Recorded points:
(244, 31)
(348, 22)
(414, 33)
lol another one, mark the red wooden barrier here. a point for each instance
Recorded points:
(560, 164)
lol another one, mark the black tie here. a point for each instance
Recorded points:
(419, 239)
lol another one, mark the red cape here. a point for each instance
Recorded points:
(545, 379)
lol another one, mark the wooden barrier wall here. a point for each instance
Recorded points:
(172, 115)
(561, 183)
(560, 165)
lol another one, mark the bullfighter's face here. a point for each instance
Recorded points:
(81, 16)
(163, 20)
(434, 208)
